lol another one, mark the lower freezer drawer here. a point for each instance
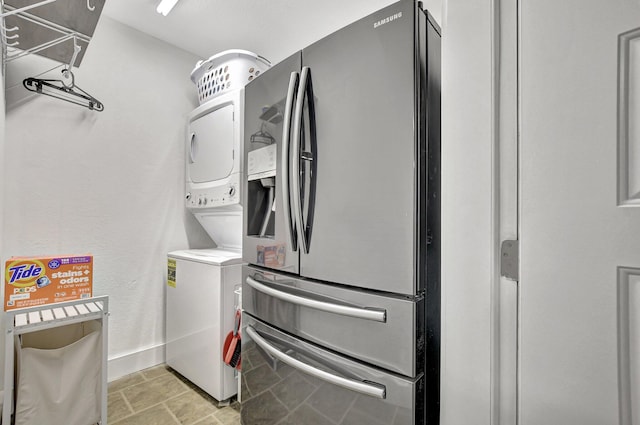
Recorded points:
(287, 381)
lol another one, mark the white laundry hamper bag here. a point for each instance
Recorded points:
(58, 380)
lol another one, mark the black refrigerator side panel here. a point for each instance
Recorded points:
(363, 79)
(266, 240)
(433, 218)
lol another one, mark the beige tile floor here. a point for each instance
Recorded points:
(161, 396)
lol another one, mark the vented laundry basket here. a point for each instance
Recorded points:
(226, 71)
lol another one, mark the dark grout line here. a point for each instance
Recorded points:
(234, 405)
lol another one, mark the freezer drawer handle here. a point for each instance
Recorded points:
(377, 391)
(377, 315)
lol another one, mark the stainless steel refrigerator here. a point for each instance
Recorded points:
(341, 293)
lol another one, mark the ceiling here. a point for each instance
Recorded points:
(273, 29)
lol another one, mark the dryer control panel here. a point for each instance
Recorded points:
(214, 197)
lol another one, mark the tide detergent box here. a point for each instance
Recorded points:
(34, 281)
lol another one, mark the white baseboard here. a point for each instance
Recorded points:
(122, 365)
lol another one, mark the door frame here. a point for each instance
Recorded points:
(506, 295)
(479, 379)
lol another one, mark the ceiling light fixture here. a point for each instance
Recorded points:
(165, 6)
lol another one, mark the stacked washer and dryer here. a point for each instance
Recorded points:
(200, 297)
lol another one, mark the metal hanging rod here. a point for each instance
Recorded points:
(40, 47)
(48, 24)
(66, 35)
(22, 9)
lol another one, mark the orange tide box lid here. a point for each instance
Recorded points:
(34, 281)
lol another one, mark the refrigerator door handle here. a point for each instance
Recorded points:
(295, 158)
(376, 315)
(372, 390)
(286, 159)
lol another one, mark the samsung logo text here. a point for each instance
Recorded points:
(387, 19)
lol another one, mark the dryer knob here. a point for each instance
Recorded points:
(200, 201)
(232, 191)
(188, 196)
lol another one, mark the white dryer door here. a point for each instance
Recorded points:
(210, 146)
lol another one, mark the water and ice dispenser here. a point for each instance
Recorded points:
(261, 189)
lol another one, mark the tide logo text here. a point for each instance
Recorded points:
(24, 271)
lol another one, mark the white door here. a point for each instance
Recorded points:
(579, 328)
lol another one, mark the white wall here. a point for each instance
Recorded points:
(468, 208)
(109, 183)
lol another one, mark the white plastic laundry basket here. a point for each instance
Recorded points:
(228, 70)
